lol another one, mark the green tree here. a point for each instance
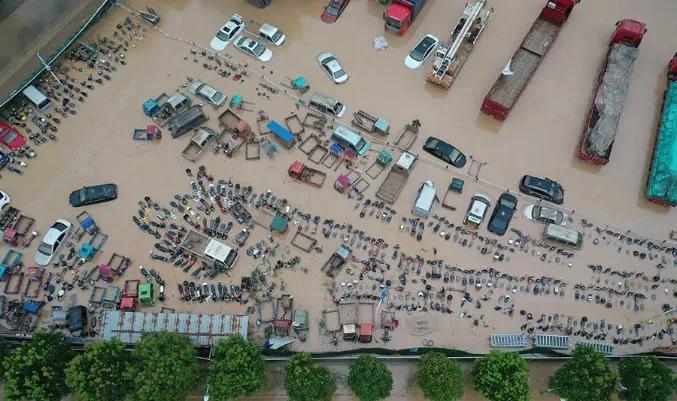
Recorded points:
(646, 378)
(306, 381)
(587, 376)
(165, 368)
(98, 374)
(502, 376)
(370, 379)
(35, 370)
(440, 378)
(5, 351)
(237, 369)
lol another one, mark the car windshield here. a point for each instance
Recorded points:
(454, 155)
(259, 49)
(277, 36)
(360, 145)
(339, 73)
(331, 9)
(223, 36)
(420, 50)
(393, 23)
(59, 226)
(45, 248)
(509, 203)
(10, 137)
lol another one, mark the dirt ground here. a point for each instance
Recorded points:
(95, 147)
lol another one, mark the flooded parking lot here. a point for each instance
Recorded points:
(559, 294)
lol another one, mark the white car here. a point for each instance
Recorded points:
(545, 215)
(207, 93)
(55, 237)
(332, 67)
(420, 53)
(272, 34)
(253, 48)
(479, 205)
(4, 200)
(228, 32)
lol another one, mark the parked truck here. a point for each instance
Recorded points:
(302, 172)
(392, 186)
(516, 74)
(599, 132)
(401, 14)
(220, 255)
(662, 183)
(198, 143)
(336, 261)
(452, 54)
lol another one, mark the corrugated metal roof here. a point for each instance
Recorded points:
(203, 330)
(552, 341)
(599, 347)
(508, 340)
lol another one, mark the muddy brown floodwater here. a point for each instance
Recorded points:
(538, 138)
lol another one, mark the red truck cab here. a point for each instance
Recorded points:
(400, 15)
(557, 11)
(10, 137)
(629, 32)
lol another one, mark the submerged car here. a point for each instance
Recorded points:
(420, 53)
(9, 137)
(272, 34)
(543, 188)
(228, 32)
(207, 93)
(333, 10)
(502, 215)
(254, 49)
(94, 194)
(4, 200)
(479, 205)
(52, 241)
(545, 215)
(444, 151)
(332, 67)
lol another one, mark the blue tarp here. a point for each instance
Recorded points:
(282, 133)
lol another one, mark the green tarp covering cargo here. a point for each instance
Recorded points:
(662, 184)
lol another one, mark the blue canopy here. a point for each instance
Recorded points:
(281, 132)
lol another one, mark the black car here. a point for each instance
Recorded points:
(93, 194)
(500, 218)
(543, 188)
(445, 152)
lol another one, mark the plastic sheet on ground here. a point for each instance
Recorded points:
(610, 97)
(380, 43)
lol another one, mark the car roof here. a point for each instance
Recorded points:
(548, 213)
(268, 29)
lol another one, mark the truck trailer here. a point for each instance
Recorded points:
(613, 80)
(662, 183)
(517, 73)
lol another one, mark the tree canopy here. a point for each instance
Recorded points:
(587, 376)
(35, 370)
(165, 368)
(502, 376)
(237, 369)
(440, 378)
(646, 378)
(306, 381)
(98, 374)
(370, 379)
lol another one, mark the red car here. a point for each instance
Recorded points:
(333, 10)
(10, 137)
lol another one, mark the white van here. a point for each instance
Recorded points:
(325, 104)
(37, 98)
(563, 235)
(427, 195)
(348, 138)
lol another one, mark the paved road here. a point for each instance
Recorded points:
(31, 26)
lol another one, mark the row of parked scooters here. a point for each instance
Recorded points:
(189, 291)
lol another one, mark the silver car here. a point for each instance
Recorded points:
(332, 67)
(207, 93)
(545, 215)
(253, 48)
